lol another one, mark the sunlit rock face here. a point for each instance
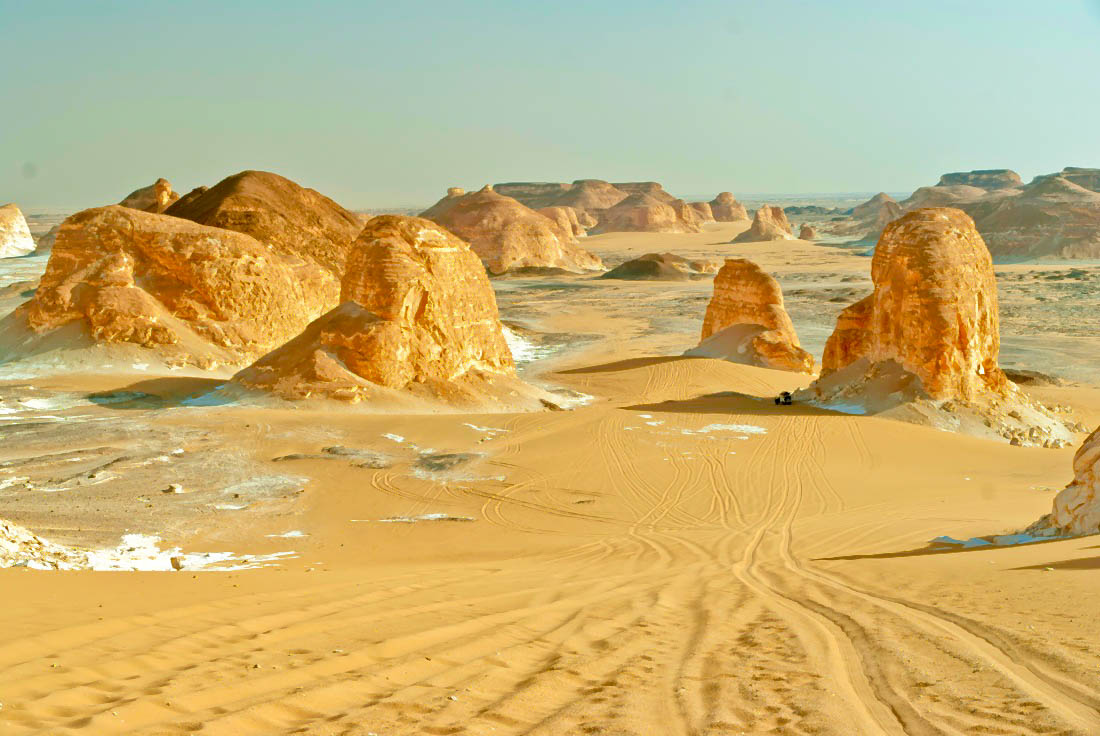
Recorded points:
(933, 310)
(15, 236)
(769, 223)
(155, 198)
(198, 295)
(726, 208)
(293, 220)
(566, 219)
(747, 322)
(703, 211)
(651, 188)
(807, 232)
(1077, 506)
(644, 213)
(418, 314)
(508, 235)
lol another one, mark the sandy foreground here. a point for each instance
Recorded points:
(678, 556)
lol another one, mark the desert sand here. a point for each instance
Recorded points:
(672, 554)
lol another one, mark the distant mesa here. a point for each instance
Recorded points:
(988, 179)
(1086, 178)
(15, 236)
(769, 223)
(155, 198)
(642, 212)
(703, 212)
(418, 319)
(661, 267)
(930, 330)
(726, 208)
(807, 232)
(508, 235)
(652, 188)
(293, 220)
(589, 196)
(196, 295)
(1077, 506)
(746, 322)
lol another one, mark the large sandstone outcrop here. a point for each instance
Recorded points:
(590, 196)
(746, 321)
(15, 236)
(770, 223)
(508, 235)
(293, 220)
(726, 208)
(644, 213)
(652, 188)
(661, 267)
(155, 198)
(933, 310)
(1077, 506)
(566, 218)
(418, 316)
(198, 295)
(703, 211)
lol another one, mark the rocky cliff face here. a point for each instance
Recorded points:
(293, 220)
(197, 295)
(769, 223)
(155, 198)
(1077, 506)
(703, 211)
(746, 321)
(418, 316)
(566, 219)
(726, 208)
(508, 235)
(15, 236)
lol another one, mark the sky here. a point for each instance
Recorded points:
(381, 104)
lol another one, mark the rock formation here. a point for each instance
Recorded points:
(1086, 178)
(703, 211)
(590, 196)
(45, 243)
(770, 223)
(418, 316)
(933, 310)
(652, 188)
(198, 295)
(987, 179)
(293, 220)
(566, 218)
(534, 194)
(661, 267)
(155, 198)
(726, 208)
(15, 236)
(746, 322)
(508, 235)
(807, 232)
(643, 213)
(1077, 506)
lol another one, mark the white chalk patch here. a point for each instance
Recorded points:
(292, 534)
(522, 350)
(140, 366)
(420, 517)
(394, 437)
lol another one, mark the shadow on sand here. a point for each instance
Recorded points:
(732, 402)
(1091, 563)
(156, 393)
(625, 365)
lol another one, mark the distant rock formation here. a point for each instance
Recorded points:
(1087, 178)
(508, 235)
(726, 208)
(644, 213)
(1077, 506)
(770, 223)
(661, 267)
(15, 236)
(293, 220)
(687, 214)
(703, 211)
(987, 179)
(590, 196)
(869, 218)
(942, 196)
(198, 295)
(652, 188)
(155, 198)
(566, 218)
(418, 316)
(746, 322)
(45, 243)
(807, 232)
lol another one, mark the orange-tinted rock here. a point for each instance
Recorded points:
(933, 310)
(508, 235)
(747, 322)
(652, 188)
(807, 232)
(199, 295)
(293, 220)
(643, 213)
(15, 236)
(661, 267)
(770, 223)
(726, 208)
(687, 214)
(155, 198)
(584, 195)
(703, 211)
(566, 218)
(418, 315)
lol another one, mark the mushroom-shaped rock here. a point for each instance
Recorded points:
(726, 208)
(198, 295)
(293, 220)
(661, 267)
(155, 198)
(770, 223)
(933, 310)
(807, 232)
(418, 316)
(15, 236)
(507, 234)
(642, 212)
(746, 322)
(703, 211)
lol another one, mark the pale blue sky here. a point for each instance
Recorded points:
(388, 103)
